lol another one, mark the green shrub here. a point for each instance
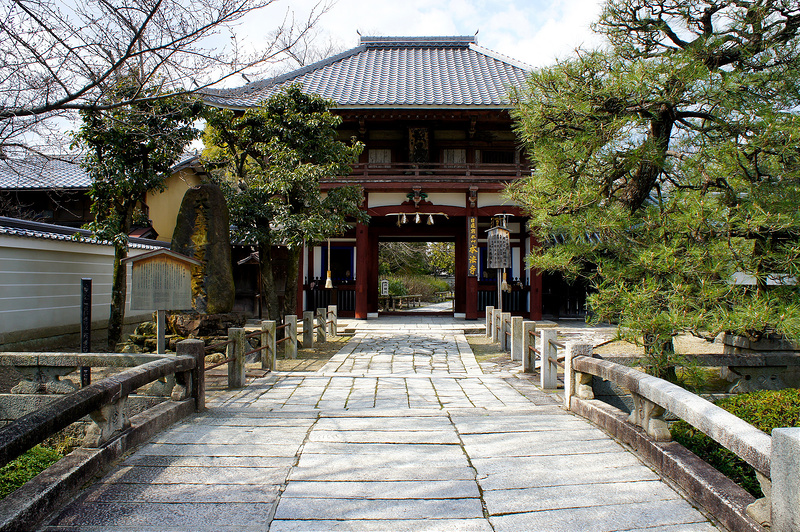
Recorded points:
(20, 470)
(764, 409)
(424, 285)
(396, 287)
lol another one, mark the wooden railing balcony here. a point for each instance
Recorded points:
(442, 172)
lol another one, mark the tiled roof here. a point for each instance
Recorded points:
(28, 229)
(41, 172)
(45, 173)
(397, 72)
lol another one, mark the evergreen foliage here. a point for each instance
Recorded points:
(270, 161)
(129, 151)
(765, 409)
(669, 163)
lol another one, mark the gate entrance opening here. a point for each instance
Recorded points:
(416, 275)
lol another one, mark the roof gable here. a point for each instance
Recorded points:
(397, 72)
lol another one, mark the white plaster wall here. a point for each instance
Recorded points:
(450, 199)
(383, 199)
(40, 282)
(489, 199)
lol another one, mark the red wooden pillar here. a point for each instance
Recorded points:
(372, 283)
(460, 303)
(362, 271)
(535, 303)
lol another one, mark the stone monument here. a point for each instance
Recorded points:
(202, 232)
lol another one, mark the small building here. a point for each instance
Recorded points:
(56, 191)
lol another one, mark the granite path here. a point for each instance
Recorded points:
(399, 431)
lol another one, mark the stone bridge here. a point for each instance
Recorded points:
(401, 430)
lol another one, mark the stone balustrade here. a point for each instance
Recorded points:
(113, 432)
(775, 458)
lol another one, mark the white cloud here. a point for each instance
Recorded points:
(533, 31)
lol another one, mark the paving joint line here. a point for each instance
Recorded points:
(463, 447)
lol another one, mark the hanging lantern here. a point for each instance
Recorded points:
(499, 247)
(329, 281)
(504, 285)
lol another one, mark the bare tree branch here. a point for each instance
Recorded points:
(57, 57)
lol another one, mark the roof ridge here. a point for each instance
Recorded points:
(501, 57)
(283, 78)
(378, 41)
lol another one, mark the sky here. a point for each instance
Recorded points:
(536, 32)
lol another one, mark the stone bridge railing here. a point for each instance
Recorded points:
(112, 432)
(775, 458)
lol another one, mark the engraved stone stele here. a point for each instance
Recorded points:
(202, 231)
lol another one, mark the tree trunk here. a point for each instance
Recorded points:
(659, 351)
(119, 287)
(270, 294)
(292, 269)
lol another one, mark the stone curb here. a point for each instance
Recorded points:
(709, 488)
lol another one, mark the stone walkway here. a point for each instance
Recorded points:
(399, 431)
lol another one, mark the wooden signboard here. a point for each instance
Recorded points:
(161, 280)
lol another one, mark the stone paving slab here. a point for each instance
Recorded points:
(351, 509)
(508, 501)
(401, 472)
(199, 475)
(429, 524)
(218, 449)
(655, 514)
(396, 450)
(206, 461)
(344, 462)
(486, 445)
(187, 493)
(431, 489)
(383, 436)
(180, 516)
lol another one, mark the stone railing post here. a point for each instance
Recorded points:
(647, 415)
(107, 420)
(268, 340)
(196, 349)
(236, 367)
(308, 329)
(548, 372)
(290, 332)
(528, 341)
(321, 325)
(516, 338)
(333, 319)
(505, 331)
(488, 318)
(785, 474)
(576, 383)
